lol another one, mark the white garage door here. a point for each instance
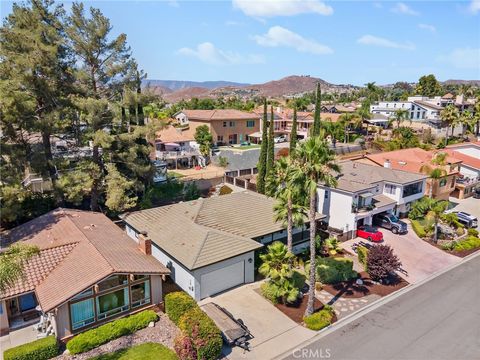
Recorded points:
(222, 279)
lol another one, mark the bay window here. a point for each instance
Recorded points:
(140, 293)
(112, 303)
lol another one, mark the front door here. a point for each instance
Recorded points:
(232, 139)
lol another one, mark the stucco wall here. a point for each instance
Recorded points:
(156, 289)
(338, 208)
(3, 318)
(62, 321)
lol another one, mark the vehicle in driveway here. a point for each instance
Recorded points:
(280, 139)
(390, 222)
(370, 233)
(466, 219)
(476, 193)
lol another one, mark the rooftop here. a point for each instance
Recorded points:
(218, 114)
(204, 231)
(171, 134)
(77, 249)
(356, 176)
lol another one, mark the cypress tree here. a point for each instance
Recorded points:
(271, 146)
(262, 161)
(141, 117)
(318, 105)
(293, 134)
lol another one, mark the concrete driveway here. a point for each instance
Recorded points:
(468, 205)
(273, 331)
(419, 259)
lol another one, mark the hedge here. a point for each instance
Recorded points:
(203, 332)
(178, 303)
(469, 243)
(319, 320)
(269, 292)
(41, 349)
(418, 228)
(362, 252)
(334, 270)
(90, 339)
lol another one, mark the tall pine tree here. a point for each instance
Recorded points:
(318, 109)
(262, 161)
(293, 133)
(271, 145)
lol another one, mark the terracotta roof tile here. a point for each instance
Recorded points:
(218, 114)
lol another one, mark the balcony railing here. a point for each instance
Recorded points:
(362, 208)
(166, 155)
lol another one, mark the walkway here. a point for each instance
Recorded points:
(345, 306)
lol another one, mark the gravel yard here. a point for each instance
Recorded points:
(164, 332)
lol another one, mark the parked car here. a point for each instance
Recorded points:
(466, 219)
(280, 139)
(476, 193)
(390, 222)
(370, 233)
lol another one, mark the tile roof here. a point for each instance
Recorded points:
(172, 134)
(428, 105)
(218, 114)
(204, 231)
(78, 248)
(470, 161)
(411, 160)
(356, 176)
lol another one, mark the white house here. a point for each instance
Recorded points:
(209, 244)
(364, 191)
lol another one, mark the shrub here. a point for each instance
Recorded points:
(320, 319)
(145, 351)
(92, 338)
(269, 292)
(178, 303)
(382, 262)
(418, 228)
(204, 334)
(184, 347)
(472, 232)
(469, 243)
(225, 190)
(333, 270)
(41, 349)
(459, 231)
(362, 253)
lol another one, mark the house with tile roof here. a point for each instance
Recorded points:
(88, 272)
(419, 161)
(209, 244)
(227, 126)
(469, 177)
(364, 191)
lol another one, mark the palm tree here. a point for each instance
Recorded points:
(434, 173)
(315, 163)
(399, 116)
(12, 263)
(286, 189)
(476, 115)
(436, 213)
(467, 121)
(364, 114)
(348, 119)
(450, 116)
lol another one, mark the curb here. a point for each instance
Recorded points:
(374, 305)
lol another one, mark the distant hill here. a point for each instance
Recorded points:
(175, 85)
(289, 86)
(462, 82)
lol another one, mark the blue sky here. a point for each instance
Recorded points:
(340, 41)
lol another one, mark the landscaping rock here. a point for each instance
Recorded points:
(151, 324)
(359, 282)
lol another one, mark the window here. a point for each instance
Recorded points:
(140, 293)
(326, 194)
(232, 123)
(390, 189)
(112, 281)
(250, 123)
(112, 303)
(86, 293)
(220, 138)
(412, 189)
(443, 182)
(224, 124)
(82, 313)
(27, 302)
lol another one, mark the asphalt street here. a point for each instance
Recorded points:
(439, 319)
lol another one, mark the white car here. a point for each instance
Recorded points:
(280, 139)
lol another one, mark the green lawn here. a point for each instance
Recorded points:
(173, 174)
(147, 351)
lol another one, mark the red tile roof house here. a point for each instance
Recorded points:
(88, 272)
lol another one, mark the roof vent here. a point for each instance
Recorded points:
(402, 163)
(387, 164)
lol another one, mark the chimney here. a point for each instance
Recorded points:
(387, 164)
(144, 243)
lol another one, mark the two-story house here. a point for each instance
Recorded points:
(227, 126)
(365, 190)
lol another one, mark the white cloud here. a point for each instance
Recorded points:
(233, 23)
(466, 58)
(271, 8)
(279, 36)
(427, 27)
(474, 7)
(208, 53)
(402, 8)
(382, 42)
